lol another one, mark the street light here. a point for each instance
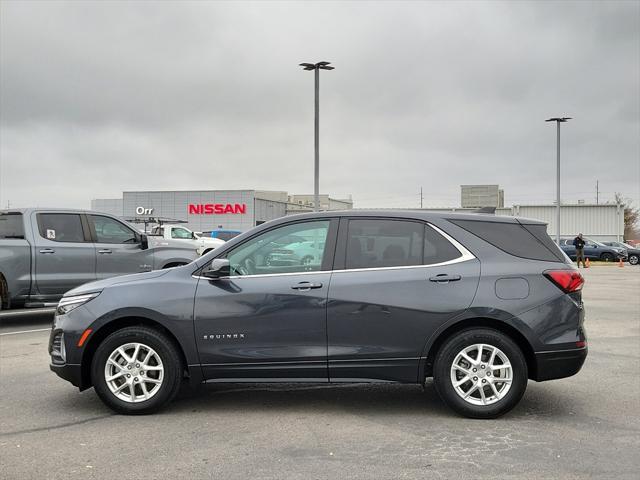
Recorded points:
(316, 174)
(558, 121)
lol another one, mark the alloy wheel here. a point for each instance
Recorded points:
(481, 374)
(134, 372)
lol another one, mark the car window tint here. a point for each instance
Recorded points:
(292, 248)
(61, 227)
(525, 241)
(11, 225)
(438, 249)
(181, 233)
(384, 243)
(109, 230)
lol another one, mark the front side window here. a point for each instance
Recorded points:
(298, 247)
(109, 230)
(384, 243)
(61, 227)
(181, 233)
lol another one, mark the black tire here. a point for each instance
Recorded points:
(164, 348)
(633, 259)
(606, 257)
(448, 353)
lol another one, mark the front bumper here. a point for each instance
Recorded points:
(558, 364)
(69, 372)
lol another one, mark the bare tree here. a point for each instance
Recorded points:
(631, 217)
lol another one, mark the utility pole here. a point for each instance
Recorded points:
(316, 67)
(597, 194)
(558, 121)
(421, 197)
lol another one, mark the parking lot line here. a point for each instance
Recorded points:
(26, 331)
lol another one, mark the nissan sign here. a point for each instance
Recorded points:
(216, 208)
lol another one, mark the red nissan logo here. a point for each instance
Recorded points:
(216, 208)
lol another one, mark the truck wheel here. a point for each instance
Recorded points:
(606, 257)
(633, 259)
(136, 370)
(480, 373)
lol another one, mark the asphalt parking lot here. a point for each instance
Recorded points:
(586, 426)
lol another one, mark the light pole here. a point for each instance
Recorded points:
(558, 121)
(316, 67)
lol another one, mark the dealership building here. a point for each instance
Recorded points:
(204, 210)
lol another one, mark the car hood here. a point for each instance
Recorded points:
(108, 282)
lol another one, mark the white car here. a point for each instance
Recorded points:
(178, 232)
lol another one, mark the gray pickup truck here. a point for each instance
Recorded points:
(46, 252)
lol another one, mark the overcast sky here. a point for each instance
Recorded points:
(97, 98)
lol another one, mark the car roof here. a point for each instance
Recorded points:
(417, 214)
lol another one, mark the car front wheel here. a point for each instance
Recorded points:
(633, 259)
(136, 370)
(606, 257)
(480, 373)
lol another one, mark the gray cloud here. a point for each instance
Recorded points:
(101, 97)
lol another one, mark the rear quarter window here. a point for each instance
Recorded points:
(11, 225)
(524, 241)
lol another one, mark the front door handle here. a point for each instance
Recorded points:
(305, 286)
(444, 278)
(106, 250)
(47, 250)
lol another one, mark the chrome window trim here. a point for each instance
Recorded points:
(465, 256)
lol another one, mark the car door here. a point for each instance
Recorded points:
(118, 248)
(64, 254)
(266, 321)
(591, 250)
(394, 283)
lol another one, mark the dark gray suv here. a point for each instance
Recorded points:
(480, 303)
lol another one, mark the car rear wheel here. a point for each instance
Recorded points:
(633, 259)
(480, 373)
(136, 370)
(606, 257)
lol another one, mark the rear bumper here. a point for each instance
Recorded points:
(559, 364)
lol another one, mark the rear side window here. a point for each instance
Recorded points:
(521, 241)
(384, 243)
(61, 227)
(11, 225)
(438, 249)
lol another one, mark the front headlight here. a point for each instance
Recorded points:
(67, 304)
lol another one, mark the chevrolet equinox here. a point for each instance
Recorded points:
(481, 303)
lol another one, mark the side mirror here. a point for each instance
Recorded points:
(144, 242)
(220, 267)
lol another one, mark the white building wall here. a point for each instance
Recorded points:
(599, 222)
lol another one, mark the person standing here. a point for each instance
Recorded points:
(578, 242)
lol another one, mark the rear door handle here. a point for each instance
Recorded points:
(444, 278)
(106, 250)
(47, 250)
(304, 286)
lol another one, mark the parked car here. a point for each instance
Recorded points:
(46, 252)
(593, 250)
(188, 237)
(396, 297)
(632, 253)
(225, 235)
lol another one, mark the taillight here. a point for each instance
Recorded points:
(567, 280)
